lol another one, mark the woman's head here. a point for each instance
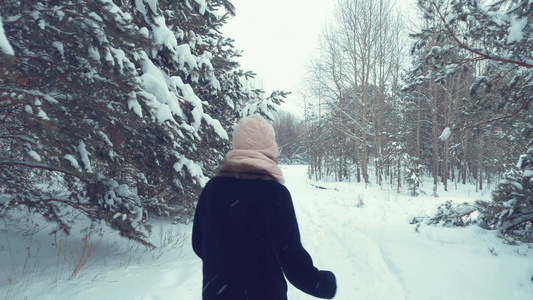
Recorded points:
(254, 133)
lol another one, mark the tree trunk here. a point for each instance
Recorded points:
(435, 139)
(399, 175)
(480, 161)
(465, 155)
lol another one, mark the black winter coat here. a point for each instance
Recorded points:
(246, 233)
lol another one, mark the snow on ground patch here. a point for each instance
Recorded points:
(377, 254)
(361, 234)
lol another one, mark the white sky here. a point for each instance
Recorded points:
(277, 38)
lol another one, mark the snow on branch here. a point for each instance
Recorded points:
(445, 134)
(4, 43)
(515, 35)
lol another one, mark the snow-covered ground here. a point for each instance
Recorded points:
(362, 235)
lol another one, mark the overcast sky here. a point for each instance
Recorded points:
(277, 38)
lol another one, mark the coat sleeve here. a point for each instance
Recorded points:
(295, 261)
(197, 229)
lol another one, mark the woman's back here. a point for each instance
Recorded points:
(245, 229)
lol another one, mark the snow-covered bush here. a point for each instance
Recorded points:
(451, 214)
(511, 208)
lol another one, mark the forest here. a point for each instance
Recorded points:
(454, 105)
(117, 110)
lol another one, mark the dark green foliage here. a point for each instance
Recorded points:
(511, 208)
(116, 110)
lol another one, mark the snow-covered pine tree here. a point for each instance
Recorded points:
(412, 175)
(500, 34)
(511, 208)
(116, 109)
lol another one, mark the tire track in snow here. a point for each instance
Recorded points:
(329, 232)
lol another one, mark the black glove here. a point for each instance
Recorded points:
(327, 285)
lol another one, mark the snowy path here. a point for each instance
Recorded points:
(373, 250)
(329, 232)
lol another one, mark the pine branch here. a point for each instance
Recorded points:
(483, 56)
(525, 217)
(41, 166)
(504, 117)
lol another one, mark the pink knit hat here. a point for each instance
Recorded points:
(254, 133)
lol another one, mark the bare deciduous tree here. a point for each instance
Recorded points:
(357, 65)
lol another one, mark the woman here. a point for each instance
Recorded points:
(245, 229)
